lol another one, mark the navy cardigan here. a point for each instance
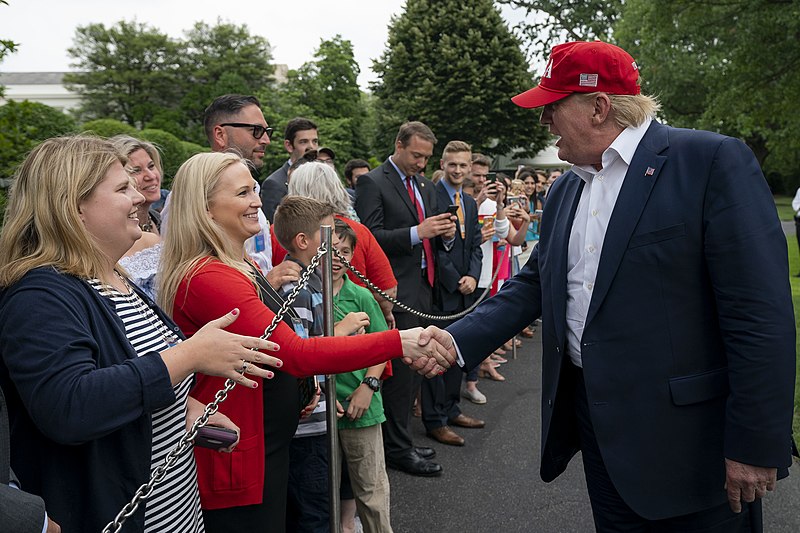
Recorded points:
(79, 399)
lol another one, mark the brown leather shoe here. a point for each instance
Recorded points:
(445, 435)
(465, 421)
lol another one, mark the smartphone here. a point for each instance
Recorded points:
(215, 437)
(491, 177)
(452, 209)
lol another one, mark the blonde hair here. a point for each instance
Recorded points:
(42, 224)
(193, 236)
(319, 181)
(126, 145)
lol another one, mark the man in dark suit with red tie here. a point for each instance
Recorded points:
(399, 206)
(668, 336)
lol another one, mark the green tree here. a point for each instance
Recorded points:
(326, 91)
(220, 59)
(550, 22)
(25, 124)
(127, 71)
(713, 68)
(455, 66)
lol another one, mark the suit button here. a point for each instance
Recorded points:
(549, 403)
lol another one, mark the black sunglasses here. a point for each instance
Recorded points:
(258, 129)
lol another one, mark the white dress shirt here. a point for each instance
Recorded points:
(588, 233)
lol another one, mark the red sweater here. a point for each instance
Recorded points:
(236, 479)
(368, 257)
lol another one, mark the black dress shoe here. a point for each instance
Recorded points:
(413, 464)
(425, 452)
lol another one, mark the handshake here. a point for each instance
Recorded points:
(429, 351)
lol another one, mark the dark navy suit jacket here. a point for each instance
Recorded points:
(464, 259)
(385, 207)
(689, 344)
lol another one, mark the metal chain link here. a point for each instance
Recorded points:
(401, 305)
(187, 441)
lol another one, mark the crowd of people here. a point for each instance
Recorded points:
(220, 260)
(119, 322)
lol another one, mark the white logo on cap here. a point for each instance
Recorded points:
(548, 69)
(588, 80)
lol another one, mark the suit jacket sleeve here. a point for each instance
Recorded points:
(745, 250)
(21, 512)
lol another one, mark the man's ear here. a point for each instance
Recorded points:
(219, 138)
(287, 144)
(602, 108)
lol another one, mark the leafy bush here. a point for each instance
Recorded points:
(25, 124)
(108, 127)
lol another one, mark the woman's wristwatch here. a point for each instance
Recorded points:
(372, 382)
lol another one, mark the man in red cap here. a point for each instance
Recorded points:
(666, 361)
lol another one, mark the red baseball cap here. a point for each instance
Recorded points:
(583, 67)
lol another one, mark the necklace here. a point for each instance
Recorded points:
(147, 226)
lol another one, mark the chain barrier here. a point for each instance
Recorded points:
(187, 441)
(401, 305)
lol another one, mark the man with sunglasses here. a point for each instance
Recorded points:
(299, 137)
(235, 122)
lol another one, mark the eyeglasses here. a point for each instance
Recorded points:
(258, 129)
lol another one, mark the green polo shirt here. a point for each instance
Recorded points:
(353, 299)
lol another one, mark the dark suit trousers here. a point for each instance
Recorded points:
(399, 390)
(612, 514)
(441, 395)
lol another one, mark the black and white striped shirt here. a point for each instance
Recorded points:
(174, 505)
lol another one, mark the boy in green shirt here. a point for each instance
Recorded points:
(359, 393)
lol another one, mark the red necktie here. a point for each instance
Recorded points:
(426, 243)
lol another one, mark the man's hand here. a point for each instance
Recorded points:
(482, 195)
(435, 226)
(467, 284)
(426, 357)
(441, 337)
(746, 482)
(285, 272)
(450, 234)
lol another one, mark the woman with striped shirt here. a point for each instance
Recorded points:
(97, 377)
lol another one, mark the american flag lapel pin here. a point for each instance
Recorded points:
(650, 171)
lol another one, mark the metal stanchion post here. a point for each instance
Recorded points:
(334, 468)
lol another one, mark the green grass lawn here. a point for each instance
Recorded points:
(784, 205)
(786, 213)
(794, 268)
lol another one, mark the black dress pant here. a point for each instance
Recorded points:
(399, 390)
(612, 514)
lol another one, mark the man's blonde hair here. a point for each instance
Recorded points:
(42, 224)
